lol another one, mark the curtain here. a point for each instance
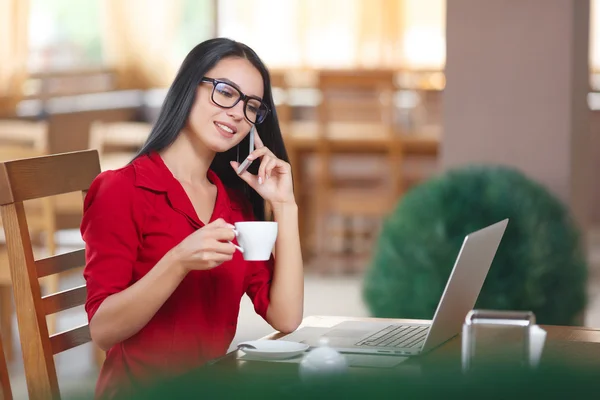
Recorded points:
(138, 41)
(14, 16)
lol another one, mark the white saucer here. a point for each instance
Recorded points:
(274, 349)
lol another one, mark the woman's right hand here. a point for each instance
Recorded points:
(206, 248)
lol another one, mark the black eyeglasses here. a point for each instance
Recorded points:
(226, 95)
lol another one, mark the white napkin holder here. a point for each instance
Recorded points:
(491, 337)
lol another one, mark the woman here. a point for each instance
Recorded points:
(164, 280)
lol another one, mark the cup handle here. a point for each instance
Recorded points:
(235, 232)
(237, 247)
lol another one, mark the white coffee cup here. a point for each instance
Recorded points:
(256, 239)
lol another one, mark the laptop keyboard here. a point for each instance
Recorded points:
(405, 336)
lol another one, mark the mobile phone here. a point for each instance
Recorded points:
(244, 165)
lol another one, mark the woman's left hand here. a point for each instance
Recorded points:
(274, 180)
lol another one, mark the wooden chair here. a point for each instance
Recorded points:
(23, 180)
(22, 139)
(280, 89)
(41, 217)
(356, 122)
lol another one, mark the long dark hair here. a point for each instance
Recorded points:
(180, 98)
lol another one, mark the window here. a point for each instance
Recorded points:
(64, 34)
(196, 25)
(339, 33)
(424, 34)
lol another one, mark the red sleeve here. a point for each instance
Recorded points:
(259, 273)
(258, 284)
(110, 231)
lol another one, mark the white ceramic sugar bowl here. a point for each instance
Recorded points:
(322, 364)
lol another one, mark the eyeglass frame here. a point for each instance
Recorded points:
(243, 97)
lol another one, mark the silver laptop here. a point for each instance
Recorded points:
(459, 297)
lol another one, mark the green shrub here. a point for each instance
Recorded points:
(539, 266)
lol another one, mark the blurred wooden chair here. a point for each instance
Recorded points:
(23, 180)
(22, 139)
(280, 89)
(359, 175)
(117, 142)
(18, 132)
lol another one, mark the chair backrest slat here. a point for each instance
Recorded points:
(36, 177)
(72, 338)
(60, 263)
(27, 179)
(64, 300)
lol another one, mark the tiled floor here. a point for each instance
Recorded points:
(337, 295)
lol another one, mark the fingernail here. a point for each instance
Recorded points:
(259, 180)
(230, 226)
(250, 157)
(268, 176)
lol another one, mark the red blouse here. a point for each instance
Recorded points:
(132, 217)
